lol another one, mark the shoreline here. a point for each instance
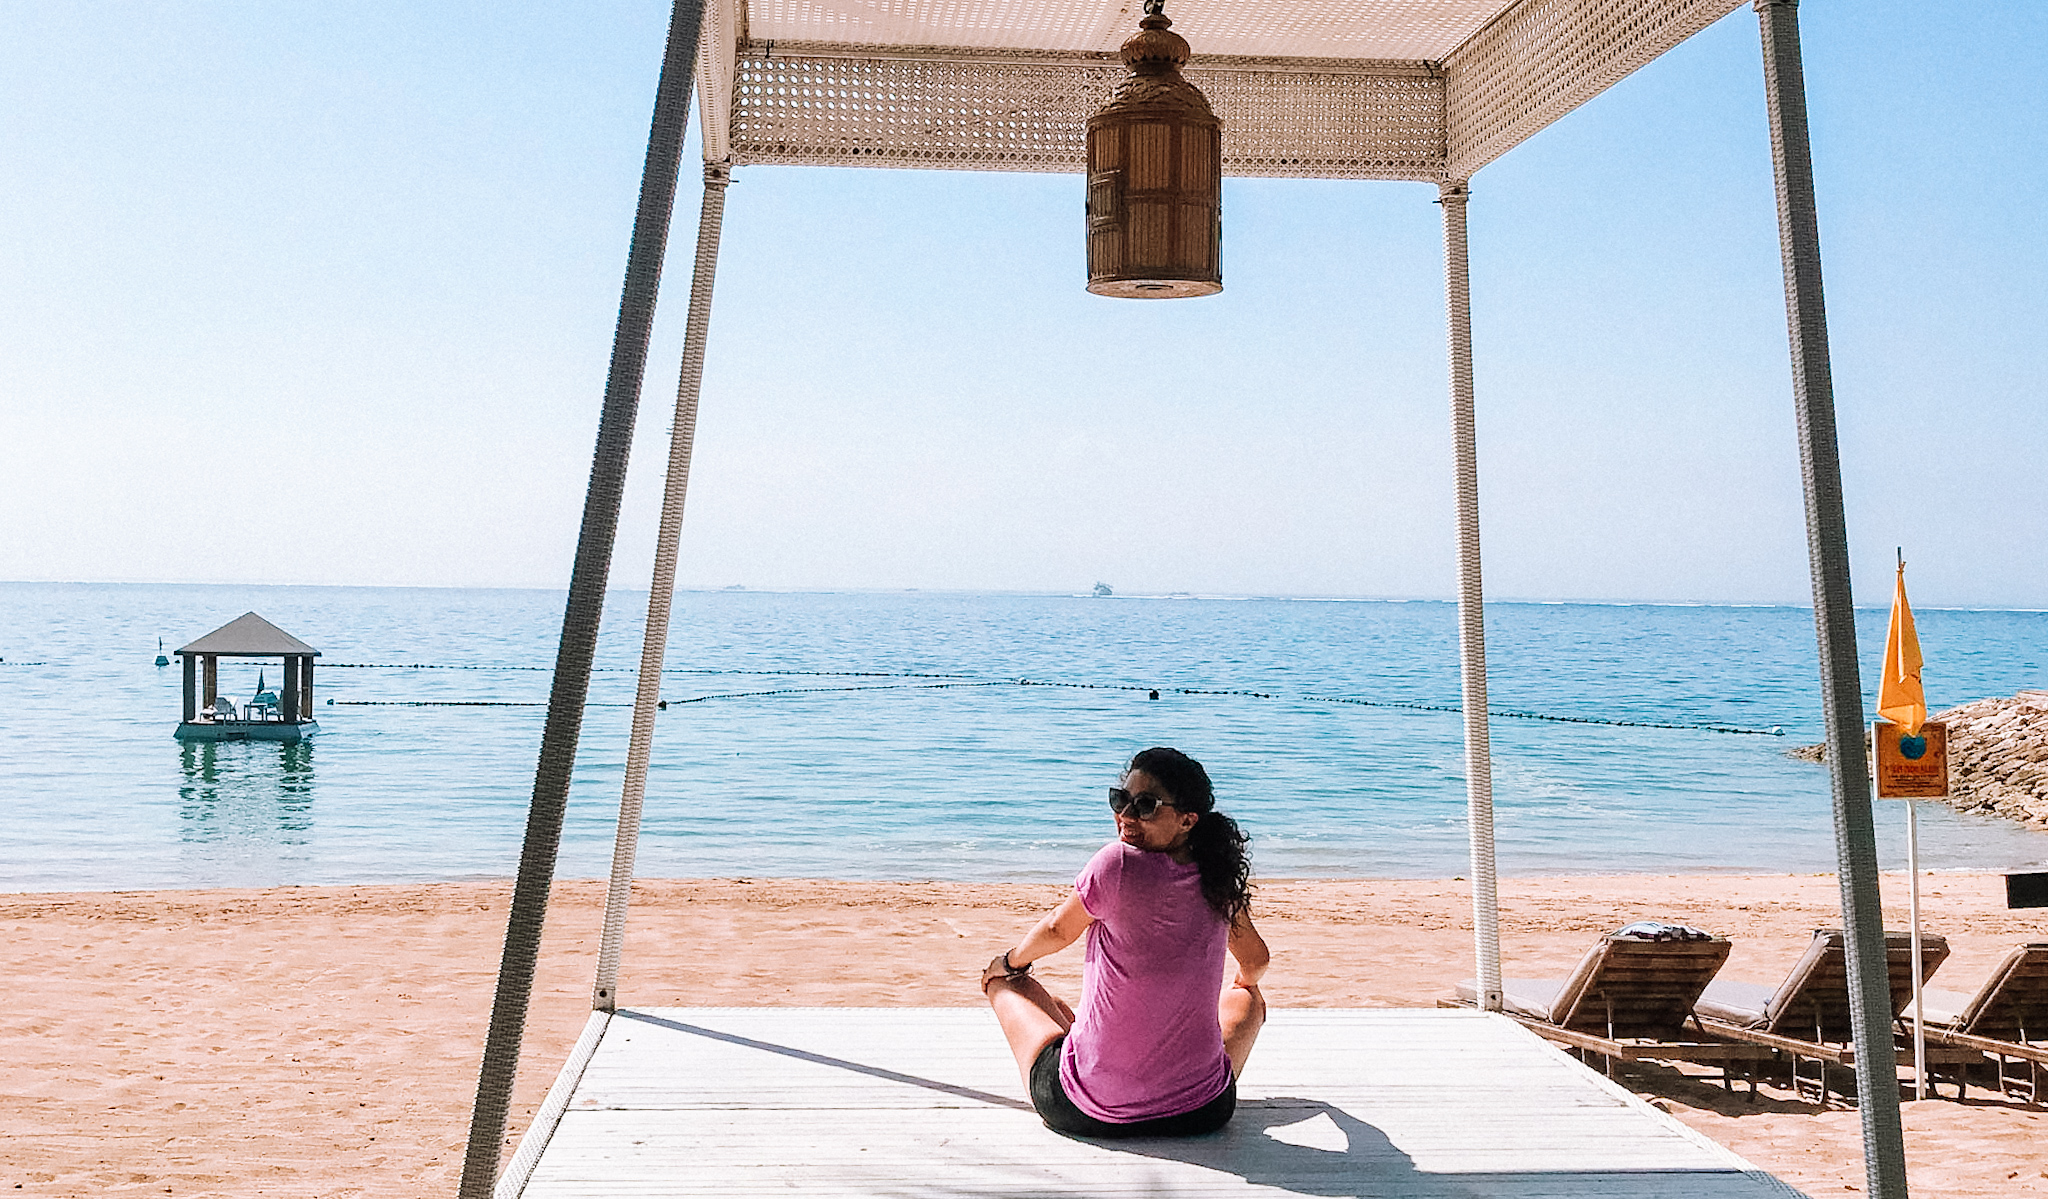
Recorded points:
(506, 880)
(324, 1040)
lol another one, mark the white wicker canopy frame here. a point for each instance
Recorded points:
(1419, 90)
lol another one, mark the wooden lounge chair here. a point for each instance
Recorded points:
(2007, 1020)
(1627, 1000)
(1806, 1017)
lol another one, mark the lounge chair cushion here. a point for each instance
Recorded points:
(2013, 1000)
(1543, 998)
(1738, 1003)
(1531, 997)
(1621, 987)
(1942, 1007)
(1813, 1001)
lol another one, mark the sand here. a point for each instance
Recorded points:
(323, 1041)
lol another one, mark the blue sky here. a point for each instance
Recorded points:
(326, 296)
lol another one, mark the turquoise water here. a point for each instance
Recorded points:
(906, 779)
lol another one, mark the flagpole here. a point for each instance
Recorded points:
(1913, 905)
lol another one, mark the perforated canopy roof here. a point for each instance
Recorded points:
(1365, 89)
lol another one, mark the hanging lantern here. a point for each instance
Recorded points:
(1155, 176)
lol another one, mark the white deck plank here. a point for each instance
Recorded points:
(926, 1102)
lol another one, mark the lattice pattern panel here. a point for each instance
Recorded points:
(1542, 58)
(1414, 30)
(991, 114)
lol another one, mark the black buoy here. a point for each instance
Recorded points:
(1155, 695)
(161, 658)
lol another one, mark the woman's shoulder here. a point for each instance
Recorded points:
(1119, 860)
(1103, 876)
(1109, 860)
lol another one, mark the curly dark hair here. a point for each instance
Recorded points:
(1218, 844)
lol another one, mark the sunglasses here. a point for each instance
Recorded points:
(1137, 807)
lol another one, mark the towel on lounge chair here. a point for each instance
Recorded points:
(1657, 930)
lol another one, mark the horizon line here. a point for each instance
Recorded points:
(1046, 593)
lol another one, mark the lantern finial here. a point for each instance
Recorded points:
(1155, 176)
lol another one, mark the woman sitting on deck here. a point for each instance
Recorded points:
(1153, 1051)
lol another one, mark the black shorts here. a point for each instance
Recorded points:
(1060, 1114)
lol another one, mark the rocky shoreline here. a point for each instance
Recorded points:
(1997, 757)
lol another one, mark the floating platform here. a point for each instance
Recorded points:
(246, 730)
(926, 1102)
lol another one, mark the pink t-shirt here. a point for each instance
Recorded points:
(1146, 1042)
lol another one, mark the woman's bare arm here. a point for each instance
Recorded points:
(1058, 929)
(1249, 948)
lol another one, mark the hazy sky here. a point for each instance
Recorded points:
(325, 294)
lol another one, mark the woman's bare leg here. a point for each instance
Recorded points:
(1242, 1012)
(1031, 1017)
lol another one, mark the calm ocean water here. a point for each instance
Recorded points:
(904, 779)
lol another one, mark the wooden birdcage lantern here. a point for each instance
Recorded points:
(1155, 176)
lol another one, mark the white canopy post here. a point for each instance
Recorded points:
(654, 642)
(1452, 195)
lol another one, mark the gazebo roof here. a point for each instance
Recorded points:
(1426, 90)
(249, 636)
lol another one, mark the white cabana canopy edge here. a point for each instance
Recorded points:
(1423, 90)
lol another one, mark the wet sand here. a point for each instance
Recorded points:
(323, 1041)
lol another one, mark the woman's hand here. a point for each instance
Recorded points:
(997, 968)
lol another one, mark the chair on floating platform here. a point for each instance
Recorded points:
(2007, 1020)
(1629, 999)
(263, 705)
(1806, 1017)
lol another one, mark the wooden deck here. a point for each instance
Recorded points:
(1402, 1104)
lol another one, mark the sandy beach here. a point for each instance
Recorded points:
(323, 1041)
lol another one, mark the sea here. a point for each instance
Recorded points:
(938, 735)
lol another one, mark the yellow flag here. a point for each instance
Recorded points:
(1900, 698)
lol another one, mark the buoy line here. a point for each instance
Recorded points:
(956, 680)
(452, 703)
(1513, 714)
(667, 703)
(1506, 713)
(698, 699)
(863, 674)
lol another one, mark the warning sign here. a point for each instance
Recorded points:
(1910, 767)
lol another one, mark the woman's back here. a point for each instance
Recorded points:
(1146, 1042)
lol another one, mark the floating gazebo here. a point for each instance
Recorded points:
(282, 715)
